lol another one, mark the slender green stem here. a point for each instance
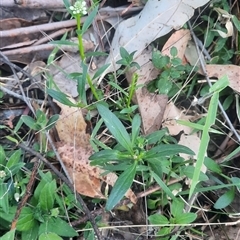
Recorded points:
(82, 55)
(93, 89)
(80, 41)
(132, 88)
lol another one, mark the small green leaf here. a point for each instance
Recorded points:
(164, 86)
(156, 167)
(129, 109)
(121, 186)
(177, 207)
(158, 219)
(136, 123)
(212, 165)
(124, 53)
(189, 172)
(2, 156)
(49, 236)
(173, 51)
(14, 159)
(26, 220)
(115, 127)
(41, 118)
(31, 233)
(51, 122)
(88, 21)
(156, 136)
(61, 97)
(9, 235)
(30, 122)
(225, 199)
(159, 61)
(185, 218)
(47, 196)
(100, 71)
(163, 185)
(236, 23)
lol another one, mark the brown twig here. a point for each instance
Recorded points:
(26, 195)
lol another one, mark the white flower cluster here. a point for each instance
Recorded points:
(79, 7)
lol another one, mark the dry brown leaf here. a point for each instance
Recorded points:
(232, 71)
(171, 115)
(75, 150)
(179, 39)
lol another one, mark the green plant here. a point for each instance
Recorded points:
(132, 154)
(172, 73)
(41, 124)
(42, 217)
(176, 217)
(12, 181)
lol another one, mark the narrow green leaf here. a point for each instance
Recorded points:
(167, 150)
(51, 122)
(9, 235)
(121, 186)
(219, 85)
(185, 218)
(95, 54)
(163, 185)
(66, 3)
(115, 127)
(2, 156)
(212, 165)
(158, 219)
(225, 199)
(87, 23)
(109, 155)
(61, 97)
(52, 55)
(236, 23)
(100, 71)
(212, 112)
(64, 42)
(4, 203)
(136, 123)
(197, 126)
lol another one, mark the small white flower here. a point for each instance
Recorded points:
(2, 174)
(79, 8)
